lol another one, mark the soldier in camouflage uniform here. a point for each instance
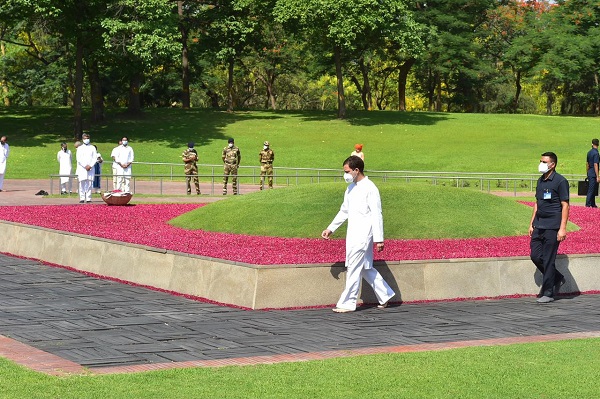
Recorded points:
(190, 157)
(231, 161)
(266, 158)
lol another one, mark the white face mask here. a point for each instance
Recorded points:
(86, 141)
(125, 143)
(348, 178)
(543, 167)
(230, 145)
(265, 147)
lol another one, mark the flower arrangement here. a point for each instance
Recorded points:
(147, 224)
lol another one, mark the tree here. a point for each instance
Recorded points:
(342, 27)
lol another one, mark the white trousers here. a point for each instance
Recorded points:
(1, 180)
(355, 264)
(85, 190)
(124, 183)
(115, 178)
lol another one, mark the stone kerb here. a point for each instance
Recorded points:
(284, 286)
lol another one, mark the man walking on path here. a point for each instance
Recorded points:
(548, 227)
(591, 165)
(4, 152)
(362, 209)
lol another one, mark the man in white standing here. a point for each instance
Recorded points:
(4, 151)
(86, 159)
(124, 159)
(115, 165)
(362, 209)
(65, 167)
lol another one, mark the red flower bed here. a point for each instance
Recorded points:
(147, 225)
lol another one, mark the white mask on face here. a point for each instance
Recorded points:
(86, 141)
(265, 147)
(125, 143)
(543, 167)
(348, 178)
(230, 145)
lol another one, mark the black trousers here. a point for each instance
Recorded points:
(590, 199)
(544, 246)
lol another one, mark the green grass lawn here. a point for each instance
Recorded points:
(565, 369)
(411, 210)
(392, 140)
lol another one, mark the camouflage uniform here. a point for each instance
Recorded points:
(266, 158)
(189, 157)
(231, 160)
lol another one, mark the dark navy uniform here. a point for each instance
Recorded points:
(549, 194)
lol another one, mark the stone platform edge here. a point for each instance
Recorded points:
(287, 286)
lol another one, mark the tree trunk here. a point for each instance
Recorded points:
(185, 62)
(515, 106)
(96, 92)
(78, 92)
(230, 85)
(366, 96)
(402, 77)
(340, 83)
(134, 105)
(4, 84)
(438, 93)
(597, 81)
(549, 102)
(270, 84)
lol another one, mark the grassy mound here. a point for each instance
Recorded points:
(410, 211)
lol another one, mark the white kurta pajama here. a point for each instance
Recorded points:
(124, 155)
(65, 167)
(86, 156)
(362, 209)
(4, 152)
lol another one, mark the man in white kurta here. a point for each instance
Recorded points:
(86, 159)
(124, 159)
(4, 152)
(65, 167)
(362, 209)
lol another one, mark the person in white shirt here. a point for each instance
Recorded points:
(115, 166)
(65, 167)
(86, 159)
(124, 159)
(362, 209)
(4, 152)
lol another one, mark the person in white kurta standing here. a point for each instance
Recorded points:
(362, 209)
(65, 167)
(4, 152)
(124, 159)
(115, 166)
(86, 159)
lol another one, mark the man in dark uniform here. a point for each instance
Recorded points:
(591, 165)
(231, 161)
(190, 157)
(549, 225)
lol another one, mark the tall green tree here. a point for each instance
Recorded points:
(342, 27)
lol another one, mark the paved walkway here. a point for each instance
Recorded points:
(23, 192)
(58, 321)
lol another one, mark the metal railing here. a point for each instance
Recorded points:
(154, 183)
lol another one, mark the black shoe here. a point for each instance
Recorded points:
(81, 202)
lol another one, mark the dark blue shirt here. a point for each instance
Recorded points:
(592, 158)
(549, 193)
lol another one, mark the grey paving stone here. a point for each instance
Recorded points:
(99, 323)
